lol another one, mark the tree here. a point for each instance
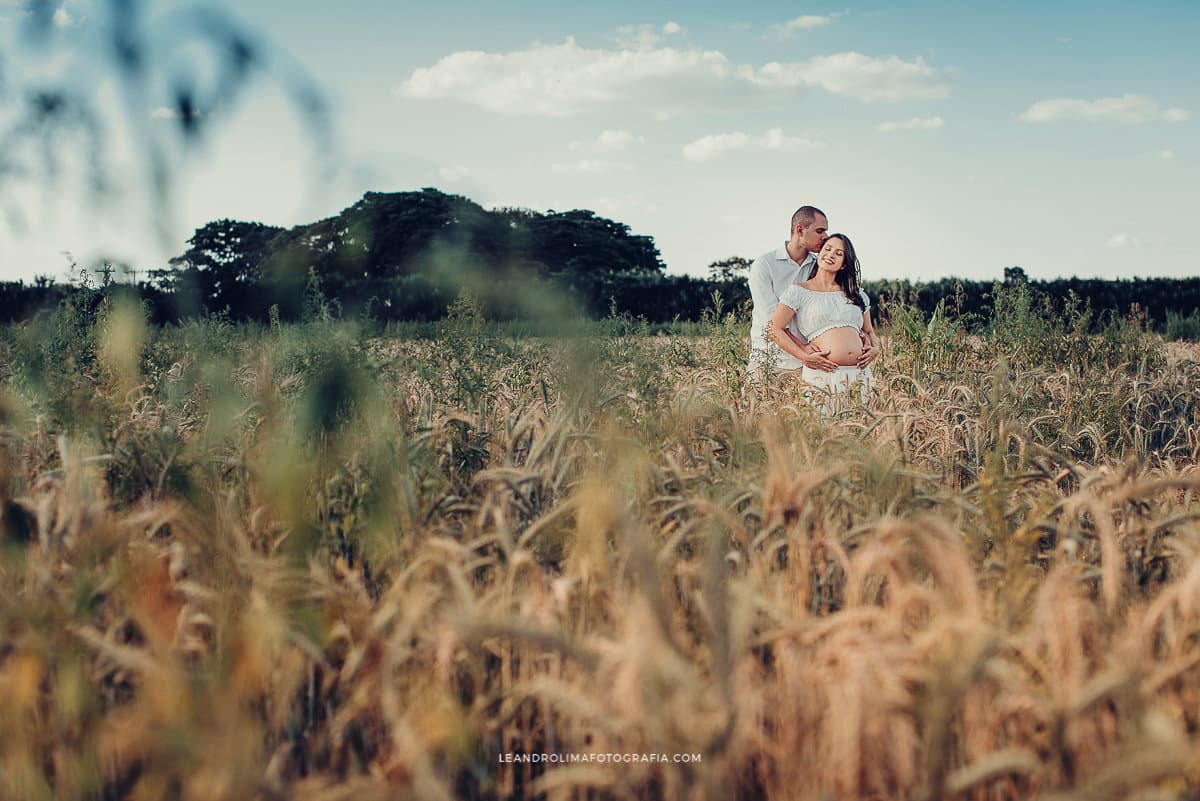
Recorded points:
(361, 252)
(221, 269)
(581, 242)
(376, 251)
(1015, 275)
(730, 269)
(376, 247)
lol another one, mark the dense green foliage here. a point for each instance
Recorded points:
(1165, 305)
(410, 255)
(403, 255)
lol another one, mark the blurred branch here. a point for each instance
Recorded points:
(177, 76)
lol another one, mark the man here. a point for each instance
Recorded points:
(774, 272)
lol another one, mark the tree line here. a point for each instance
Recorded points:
(411, 255)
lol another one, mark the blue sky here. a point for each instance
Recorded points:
(946, 138)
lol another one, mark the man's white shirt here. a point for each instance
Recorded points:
(770, 274)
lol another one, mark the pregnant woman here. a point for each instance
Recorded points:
(829, 311)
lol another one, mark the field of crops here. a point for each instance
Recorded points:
(324, 561)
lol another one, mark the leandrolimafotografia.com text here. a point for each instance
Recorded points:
(574, 758)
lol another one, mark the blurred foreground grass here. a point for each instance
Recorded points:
(323, 561)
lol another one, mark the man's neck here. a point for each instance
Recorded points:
(797, 253)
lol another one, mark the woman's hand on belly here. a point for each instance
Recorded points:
(843, 343)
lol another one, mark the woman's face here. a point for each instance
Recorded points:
(832, 255)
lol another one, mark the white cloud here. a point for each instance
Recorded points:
(1166, 153)
(610, 141)
(637, 37)
(453, 173)
(62, 18)
(646, 36)
(563, 79)
(915, 124)
(803, 23)
(856, 75)
(709, 147)
(1126, 109)
(1117, 241)
(618, 207)
(587, 167)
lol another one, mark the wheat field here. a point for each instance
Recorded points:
(325, 561)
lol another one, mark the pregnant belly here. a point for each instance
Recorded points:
(843, 344)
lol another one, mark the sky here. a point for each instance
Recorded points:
(946, 138)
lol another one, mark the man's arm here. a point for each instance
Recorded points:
(765, 298)
(762, 290)
(797, 338)
(808, 354)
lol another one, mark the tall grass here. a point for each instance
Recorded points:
(313, 561)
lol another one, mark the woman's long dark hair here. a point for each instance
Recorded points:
(847, 277)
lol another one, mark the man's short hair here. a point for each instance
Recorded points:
(805, 216)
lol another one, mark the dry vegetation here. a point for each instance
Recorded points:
(305, 563)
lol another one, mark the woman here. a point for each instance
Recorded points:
(829, 311)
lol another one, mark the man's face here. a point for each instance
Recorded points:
(813, 236)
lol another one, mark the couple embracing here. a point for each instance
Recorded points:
(809, 312)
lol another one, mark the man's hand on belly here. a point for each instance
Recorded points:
(817, 359)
